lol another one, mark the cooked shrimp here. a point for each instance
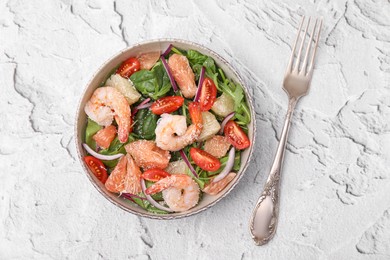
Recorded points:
(183, 75)
(107, 102)
(179, 191)
(147, 155)
(213, 188)
(172, 133)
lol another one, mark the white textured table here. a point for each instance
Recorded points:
(335, 201)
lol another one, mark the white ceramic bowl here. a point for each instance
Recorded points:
(81, 119)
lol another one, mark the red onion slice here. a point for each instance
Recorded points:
(128, 198)
(142, 103)
(131, 196)
(228, 167)
(200, 84)
(185, 159)
(151, 200)
(225, 120)
(141, 106)
(168, 70)
(101, 156)
(167, 51)
(144, 106)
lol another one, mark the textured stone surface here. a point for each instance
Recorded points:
(335, 190)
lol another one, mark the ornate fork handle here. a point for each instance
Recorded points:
(265, 215)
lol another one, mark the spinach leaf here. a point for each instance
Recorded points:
(175, 156)
(145, 81)
(154, 83)
(90, 131)
(146, 123)
(110, 164)
(164, 84)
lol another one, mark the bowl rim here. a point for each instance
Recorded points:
(242, 170)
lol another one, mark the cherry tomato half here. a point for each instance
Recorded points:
(154, 174)
(97, 168)
(204, 160)
(166, 104)
(236, 136)
(128, 67)
(208, 94)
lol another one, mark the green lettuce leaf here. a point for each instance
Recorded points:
(90, 131)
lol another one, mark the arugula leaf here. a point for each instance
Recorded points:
(198, 170)
(200, 182)
(195, 57)
(209, 64)
(236, 92)
(174, 50)
(153, 209)
(147, 206)
(90, 131)
(237, 161)
(223, 160)
(222, 75)
(196, 69)
(117, 147)
(238, 96)
(156, 196)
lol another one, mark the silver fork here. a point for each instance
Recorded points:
(296, 83)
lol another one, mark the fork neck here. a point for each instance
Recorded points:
(276, 166)
(292, 102)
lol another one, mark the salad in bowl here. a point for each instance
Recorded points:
(165, 130)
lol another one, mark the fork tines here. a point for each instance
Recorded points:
(300, 68)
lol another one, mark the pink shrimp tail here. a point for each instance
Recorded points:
(160, 185)
(123, 130)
